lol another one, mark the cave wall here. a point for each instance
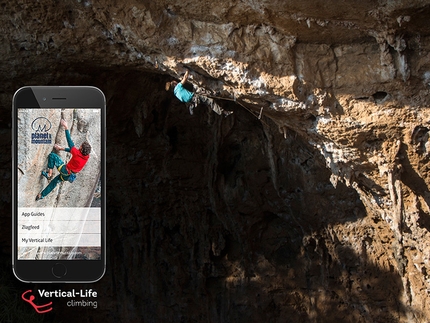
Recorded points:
(234, 222)
(317, 211)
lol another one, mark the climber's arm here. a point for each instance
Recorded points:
(69, 141)
(68, 137)
(185, 78)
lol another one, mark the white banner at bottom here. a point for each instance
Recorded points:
(59, 227)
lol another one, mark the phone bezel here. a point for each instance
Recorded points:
(78, 271)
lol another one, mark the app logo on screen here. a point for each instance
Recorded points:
(40, 134)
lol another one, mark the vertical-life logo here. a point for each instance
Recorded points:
(29, 298)
(40, 134)
(88, 298)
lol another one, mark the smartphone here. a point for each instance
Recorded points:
(58, 184)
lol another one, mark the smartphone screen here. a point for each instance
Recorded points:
(58, 186)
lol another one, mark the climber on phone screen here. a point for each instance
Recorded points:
(67, 172)
(193, 99)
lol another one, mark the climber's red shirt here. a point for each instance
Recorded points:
(78, 161)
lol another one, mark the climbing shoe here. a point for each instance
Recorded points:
(227, 113)
(45, 174)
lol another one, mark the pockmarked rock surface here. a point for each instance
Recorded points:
(33, 156)
(310, 203)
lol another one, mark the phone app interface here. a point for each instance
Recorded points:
(58, 183)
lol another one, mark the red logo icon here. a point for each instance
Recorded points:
(38, 308)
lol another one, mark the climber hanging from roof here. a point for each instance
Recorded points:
(193, 99)
(67, 171)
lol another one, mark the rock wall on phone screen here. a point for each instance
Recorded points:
(310, 203)
(33, 157)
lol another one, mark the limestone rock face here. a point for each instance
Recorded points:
(33, 157)
(310, 203)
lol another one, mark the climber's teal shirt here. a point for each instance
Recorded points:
(182, 93)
